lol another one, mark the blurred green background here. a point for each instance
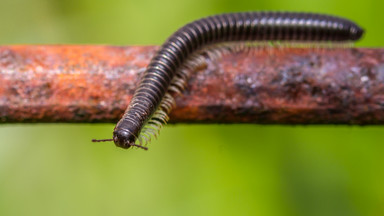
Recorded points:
(191, 169)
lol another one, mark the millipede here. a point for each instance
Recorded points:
(148, 110)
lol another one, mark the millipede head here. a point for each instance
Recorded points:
(125, 139)
(122, 139)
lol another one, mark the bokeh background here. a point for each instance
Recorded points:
(54, 169)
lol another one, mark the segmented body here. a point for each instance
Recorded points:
(148, 106)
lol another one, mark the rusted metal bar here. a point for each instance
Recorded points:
(267, 85)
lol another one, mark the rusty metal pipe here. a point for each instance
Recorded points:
(270, 85)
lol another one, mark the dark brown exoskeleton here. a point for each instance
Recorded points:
(151, 104)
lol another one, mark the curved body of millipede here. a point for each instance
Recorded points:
(152, 102)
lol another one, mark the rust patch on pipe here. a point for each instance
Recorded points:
(268, 85)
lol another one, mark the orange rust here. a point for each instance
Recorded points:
(267, 85)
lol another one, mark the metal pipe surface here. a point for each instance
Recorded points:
(269, 85)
